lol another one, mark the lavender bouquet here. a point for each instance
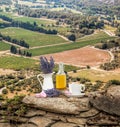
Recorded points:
(46, 66)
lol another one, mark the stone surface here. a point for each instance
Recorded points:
(41, 121)
(62, 124)
(77, 121)
(104, 119)
(34, 112)
(18, 119)
(26, 125)
(57, 105)
(82, 103)
(90, 113)
(108, 101)
(53, 116)
(5, 125)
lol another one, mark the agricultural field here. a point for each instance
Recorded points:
(42, 22)
(4, 46)
(82, 57)
(108, 27)
(32, 38)
(64, 47)
(39, 21)
(68, 9)
(95, 75)
(11, 62)
(98, 34)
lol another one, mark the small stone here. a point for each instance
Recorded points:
(41, 121)
(62, 124)
(34, 112)
(52, 116)
(103, 119)
(5, 125)
(90, 113)
(78, 121)
(18, 119)
(26, 125)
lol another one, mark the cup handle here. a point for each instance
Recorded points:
(39, 79)
(82, 88)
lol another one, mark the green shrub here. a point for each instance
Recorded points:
(4, 91)
(1, 97)
(114, 82)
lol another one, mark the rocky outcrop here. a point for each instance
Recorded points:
(98, 109)
(57, 105)
(108, 101)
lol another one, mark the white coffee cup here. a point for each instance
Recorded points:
(76, 89)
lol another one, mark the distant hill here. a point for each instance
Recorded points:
(6, 2)
(116, 2)
(87, 2)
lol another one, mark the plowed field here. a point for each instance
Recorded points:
(82, 57)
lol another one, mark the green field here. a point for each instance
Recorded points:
(94, 75)
(29, 19)
(46, 23)
(4, 46)
(32, 20)
(32, 38)
(96, 35)
(12, 62)
(64, 47)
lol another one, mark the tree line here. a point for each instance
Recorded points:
(14, 50)
(108, 44)
(114, 45)
(76, 20)
(15, 41)
(26, 25)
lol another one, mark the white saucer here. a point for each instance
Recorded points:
(80, 95)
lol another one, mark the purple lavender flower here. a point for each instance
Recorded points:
(45, 65)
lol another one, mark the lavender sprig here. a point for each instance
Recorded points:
(46, 66)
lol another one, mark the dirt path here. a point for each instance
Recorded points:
(14, 44)
(65, 38)
(48, 45)
(108, 32)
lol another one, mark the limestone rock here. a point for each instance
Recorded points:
(57, 105)
(90, 113)
(40, 121)
(5, 125)
(18, 119)
(26, 125)
(78, 121)
(103, 119)
(34, 112)
(108, 101)
(82, 103)
(62, 124)
(52, 116)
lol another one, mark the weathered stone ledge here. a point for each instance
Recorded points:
(99, 109)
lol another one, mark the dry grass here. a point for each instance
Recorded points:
(94, 75)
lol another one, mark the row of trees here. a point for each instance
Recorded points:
(14, 50)
(108, 44)
(115, 46)
(77, 20)
(15, 41)
(111, 65)
(27, 25)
